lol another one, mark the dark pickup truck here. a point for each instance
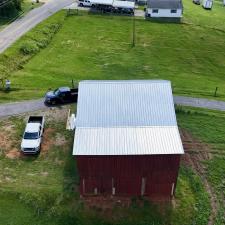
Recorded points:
(61, 95)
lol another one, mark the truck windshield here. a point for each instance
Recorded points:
(31, 135)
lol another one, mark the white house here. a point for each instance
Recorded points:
(164, 8)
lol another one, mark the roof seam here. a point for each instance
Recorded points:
(127, 127)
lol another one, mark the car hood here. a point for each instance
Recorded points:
(50, 94)
(26, 143)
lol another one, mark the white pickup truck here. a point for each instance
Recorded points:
(84, 3)
(31, 143)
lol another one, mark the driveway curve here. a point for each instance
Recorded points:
(10, 109)
(19, 27)
(200, 103)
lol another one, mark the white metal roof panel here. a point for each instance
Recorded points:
(127, 141)
(126, 118)
(124, 4)
(125, 103)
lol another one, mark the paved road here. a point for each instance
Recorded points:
(19, 27)
(10, 109)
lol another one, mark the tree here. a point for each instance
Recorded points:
(9, 8)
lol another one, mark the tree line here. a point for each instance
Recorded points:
(9, 8)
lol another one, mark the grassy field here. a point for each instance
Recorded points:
(208, 126)
(45, 187)
(190, 54)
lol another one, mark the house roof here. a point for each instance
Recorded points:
(165, 4)
(126, 118)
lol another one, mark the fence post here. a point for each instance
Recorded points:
(215, 93)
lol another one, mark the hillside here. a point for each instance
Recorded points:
(190, 54)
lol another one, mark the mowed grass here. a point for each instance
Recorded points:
(190, 54)
(208, 126)
(43, 190)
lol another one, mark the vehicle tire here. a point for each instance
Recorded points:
(81, 4)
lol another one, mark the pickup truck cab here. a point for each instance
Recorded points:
(61, 95)
(86, 3)
(32, 137)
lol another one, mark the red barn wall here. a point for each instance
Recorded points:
(135, 175)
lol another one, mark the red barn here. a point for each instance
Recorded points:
(127, 140)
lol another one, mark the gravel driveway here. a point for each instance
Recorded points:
(11, 109)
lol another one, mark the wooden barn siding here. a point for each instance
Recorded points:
(126, 173)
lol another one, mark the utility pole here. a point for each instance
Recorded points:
(133, 36)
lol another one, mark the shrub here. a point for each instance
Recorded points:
(43, 42)
(29, 47)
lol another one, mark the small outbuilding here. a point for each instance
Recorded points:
(164, 8)
(127, 142)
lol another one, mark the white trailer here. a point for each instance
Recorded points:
(123, 4)
(116, 6)
(101, 2)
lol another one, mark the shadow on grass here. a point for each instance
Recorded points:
(164, 20)
(10, 90)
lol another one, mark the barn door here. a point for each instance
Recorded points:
(143, 185)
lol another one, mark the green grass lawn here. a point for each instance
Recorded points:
(190, 54)
(208, 126)
(43, 189)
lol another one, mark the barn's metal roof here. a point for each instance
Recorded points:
(126, 118)
(127, 141)
(125, 103)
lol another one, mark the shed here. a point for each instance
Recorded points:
(127, 141)
(164, 8)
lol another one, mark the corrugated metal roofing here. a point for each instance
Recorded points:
(125, 103)
(126, 118)
(127, 141)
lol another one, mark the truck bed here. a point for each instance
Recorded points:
(35, 119)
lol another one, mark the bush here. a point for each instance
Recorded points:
(29, 48)
(43, 42)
